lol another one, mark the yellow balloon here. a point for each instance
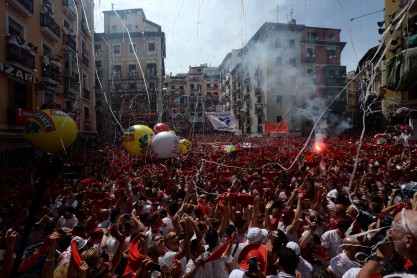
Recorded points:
(185, 145)
(137, 139)
(51, 130)
(182, 149)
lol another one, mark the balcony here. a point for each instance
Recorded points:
(71, 88)
(311, 59)
(25, 7)
(402, 70)
(69, 9)
(85, 61)
(51, 74)
(335, 81)
(86, 93)
(338, 106)
(69, 43)
(50, 28)
(17, 55)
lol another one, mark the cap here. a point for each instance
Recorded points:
(294, 246)
(253, 250)
(256, 234)
(80, 243)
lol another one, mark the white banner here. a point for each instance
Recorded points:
(223, 121)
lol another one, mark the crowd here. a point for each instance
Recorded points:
(274, 207)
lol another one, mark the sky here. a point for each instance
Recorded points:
(204, 31)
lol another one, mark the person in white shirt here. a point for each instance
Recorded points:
(304, 267)
(67, 219)
(346, 260)
(331, 240)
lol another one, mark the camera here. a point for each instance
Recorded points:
(252, 264)
(409, 189)
(366, 218)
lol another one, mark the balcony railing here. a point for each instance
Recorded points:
(23, 6)
(50, 27)
(85, 61)
(50, 72)
(311, 59)
(70, 42)
(335, 81)
(69, 8)
(86, 93)
(17, 54)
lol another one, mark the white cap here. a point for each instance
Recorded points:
(80, 243)
(294, 246)
(256, 234)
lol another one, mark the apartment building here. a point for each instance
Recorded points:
(399, 32)
(45, 61)
(129, 59)
(283, 68)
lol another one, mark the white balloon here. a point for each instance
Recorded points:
(165, 145)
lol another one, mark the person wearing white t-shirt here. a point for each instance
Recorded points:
(68, 219)
(331, 240)
(346, 260)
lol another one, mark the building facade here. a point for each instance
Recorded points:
(45, 61)
(284, 69)
(399, 32)
(129, 57)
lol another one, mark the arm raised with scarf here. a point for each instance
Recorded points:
(6, 266)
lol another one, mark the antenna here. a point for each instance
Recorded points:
(291, 13)
(277, 10)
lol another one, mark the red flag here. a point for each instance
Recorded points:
(218, 252)
(135, 257)
(31, 261)
(74, 253)
(276, 128)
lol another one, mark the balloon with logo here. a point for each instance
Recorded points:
(137, 139)
(159, 127)
(165, 145)
(185, 146)
(51, 130)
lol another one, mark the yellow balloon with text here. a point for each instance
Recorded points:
(185, 146)
(51, 130)
(137, 139)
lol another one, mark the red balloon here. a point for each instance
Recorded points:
(159, 127)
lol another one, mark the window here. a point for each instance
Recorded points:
(85, 81)
(133, 74)
(292, 62)
(309, 71)
(117, 72)
(46, 50)
(151, 47)
(312, 35)
(331, 56)
(292, 44)
(279, 99)
(330, 37)
(14, 28)
(151, 70)
(310, 52)
(278, 61)
(114, 28)
(116, 49)
(277, 43)
(48, 97)
(97, 47)
(86, 113)
(279, 118)
(132, 48)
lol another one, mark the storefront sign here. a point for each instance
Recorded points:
(21, 74)
(22, 115)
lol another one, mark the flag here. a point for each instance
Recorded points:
(223, 121)
(276, 128)
(218, 252)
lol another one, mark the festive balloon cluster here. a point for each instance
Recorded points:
(164, 143)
